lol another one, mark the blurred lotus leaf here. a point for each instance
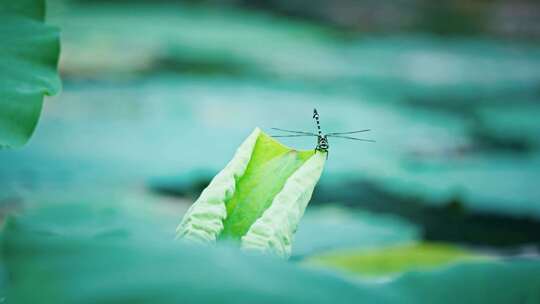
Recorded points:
(28, 60)
(258, 198)
(100, 253)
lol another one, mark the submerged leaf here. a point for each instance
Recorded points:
(258, 198)
(395, 259)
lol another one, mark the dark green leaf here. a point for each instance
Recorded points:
(28, 60)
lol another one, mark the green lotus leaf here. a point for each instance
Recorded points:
(28, 61)
(258, 198)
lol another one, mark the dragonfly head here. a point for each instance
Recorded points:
(322, 143)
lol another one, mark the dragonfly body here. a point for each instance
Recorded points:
(322, 139)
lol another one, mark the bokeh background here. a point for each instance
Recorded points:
(157, 95)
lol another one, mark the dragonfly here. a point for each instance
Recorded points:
(322, 138)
